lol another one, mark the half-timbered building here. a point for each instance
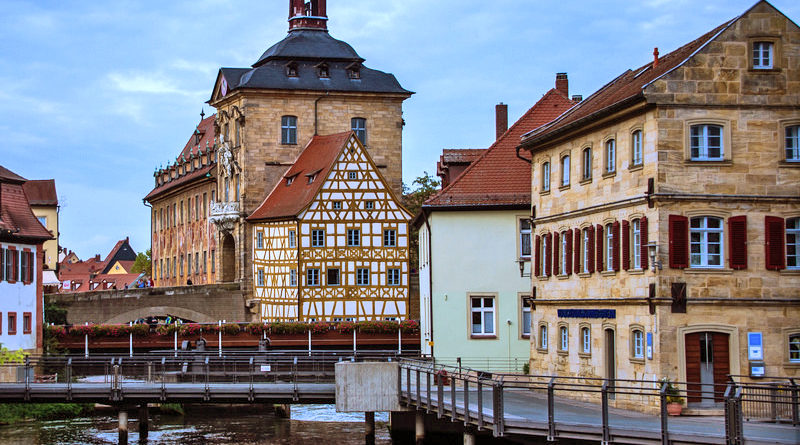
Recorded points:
(330, 242)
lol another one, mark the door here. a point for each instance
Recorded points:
(610, 360)
(707, 367)
(228, 259)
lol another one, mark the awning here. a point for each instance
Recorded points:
(49, 278)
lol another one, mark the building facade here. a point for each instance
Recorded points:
(306, 85)
(330, 242)
(22, 238)
(666, 217)
(474, 304)
(41, 194)
(183, 244)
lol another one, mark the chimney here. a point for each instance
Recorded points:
(577, 98)
(655, 57)
(500, 119)
(562, 84)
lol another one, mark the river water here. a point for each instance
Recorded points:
(315, 424)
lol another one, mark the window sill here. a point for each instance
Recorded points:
(636, 167)
(608, 273)
(543, 277)
(584, 274)
(483, 337)
(525, 337)
(607, 175)
(635, 271)
(585, 181)
(709, 163)
(790, 272)
(789, 164)
(772, 70)
(638, 361)
(564, 353)
(585, 355)
(544, 192)
(562, 277)
(542, 350)
(713, 271)
(563, 187)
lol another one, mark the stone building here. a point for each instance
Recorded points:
(330, 242)
(184, 242)
(666, 216)
(307, 84)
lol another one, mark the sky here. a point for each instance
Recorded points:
(98, 94)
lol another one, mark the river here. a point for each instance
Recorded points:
(319, 424)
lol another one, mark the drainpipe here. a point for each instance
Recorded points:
(529, 161)
(430, 274)
(327, 93)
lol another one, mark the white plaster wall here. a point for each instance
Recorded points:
(19, 298)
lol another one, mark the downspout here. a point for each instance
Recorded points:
(430, 274)
(529, 161)
(327, 93)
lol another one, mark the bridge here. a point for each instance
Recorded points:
(202, 304)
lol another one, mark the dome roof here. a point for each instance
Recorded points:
(309, 44)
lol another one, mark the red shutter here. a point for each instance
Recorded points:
(590, 258)
(576, 251)
(556, 247)
(678, 241)
(598, 234)
(643, 239)
(626, 245)
(548, 254)
(2, 264)
(537, 263)
(774, 242)
(737, 241)
(615, 245)
(568, 253)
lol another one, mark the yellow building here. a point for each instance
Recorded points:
(330, 242)
(667, 217)
(42, 197)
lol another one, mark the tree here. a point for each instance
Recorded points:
(425, 186)
(143, 263)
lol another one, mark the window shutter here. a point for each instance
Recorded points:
(576, 251)
(678, 241)
(568, 253)
(2, 264)
(590, 258)
(537, 263)
(598, 237)
(774, 242)
(643, 239)
(626, 245)
(615, 245)
(737, 241)
(556, 247)
(548, 255)
(31, 264)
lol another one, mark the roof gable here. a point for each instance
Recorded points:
(17, 221)
(41, 192)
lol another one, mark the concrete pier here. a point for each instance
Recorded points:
(369, 428)
(419, 428)
(123, 426)
(469, 437)
(284, 411)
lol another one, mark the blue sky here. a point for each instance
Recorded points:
(97, 94)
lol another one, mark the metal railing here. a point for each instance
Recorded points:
(773, 399)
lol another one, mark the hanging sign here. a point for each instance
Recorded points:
(755, 349)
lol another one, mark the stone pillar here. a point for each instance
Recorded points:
(469, 436)
(369, 427)
(144, 422)
(419, 428)
(284, 411)
(123, 426)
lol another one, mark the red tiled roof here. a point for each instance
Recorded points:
(41, 192)
(185, 179)
(317, 158)
(461, 155)
(499, 177)
(625, 89)
(206, 130)
(118, 280)
(17, 221)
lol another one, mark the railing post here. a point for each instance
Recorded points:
(427, 391)
(419, 385)
(738, 417)
(480, 404)
(604, 397)
(662, 395)
(439, 396)
(69, 379)
(453, 383)
(408, 384)
(795, 407)
(551, 407)
(498, 409)
(466, 401)
(27, 378)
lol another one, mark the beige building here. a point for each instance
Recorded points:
(41, 194)
(308, 84)
(667, 216)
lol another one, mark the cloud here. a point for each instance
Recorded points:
(149, 83)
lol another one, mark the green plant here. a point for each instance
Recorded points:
(167, 329)
(7, 356)
(672, 392)
(409, 326)
(55, 331)
(346, 327)
(288, 328)
(81, 330)
(231, 329)
(526, 368)
(256, 328)
(140, 330)
(320, 327)
(190, 329)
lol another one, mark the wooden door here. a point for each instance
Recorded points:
(692, 347)
(722, 364)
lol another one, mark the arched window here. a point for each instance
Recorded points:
(587, 163)
(611, 156)
(563, 335)
(586, 340)
(636, 148)
(705, 235)
(565, 171)
(637, 344)
(543, 336)
(546, 177)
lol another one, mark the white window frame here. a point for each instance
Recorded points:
(611, 155)
(259, 240)
(525, 316)
(292, 277)
(586, 340)
(565, 171)
(563, 257)
(794, 340)
(312, 277)
(587, 163)
(393, 276)
(636, 242)
(353, 237)
(792, 143)
(793, 243)
(563, 338)
(524, 237)
(485, 313)
(636, 148)
(586, 250)
(318, 238)
(543, 255)
(359, 126)
(699, 142)
(543, 336)
(292, 238)
(389, 238)
(546, 176)
(362, 276)
(763, 55)
(637, 337)
(609, 229)
(704, 232)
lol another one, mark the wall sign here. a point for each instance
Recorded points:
(587, 313)
(649, 346)
(755, 349)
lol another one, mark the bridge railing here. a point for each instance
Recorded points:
(436, 387)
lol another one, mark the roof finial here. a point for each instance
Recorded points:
(202, 113)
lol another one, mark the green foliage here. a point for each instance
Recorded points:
(171, 409)
(15, 412)
(526, 368)
(425, 186)
(7, 356)
(288, 328)
(672, 391)
(143, 263)
(55, 313)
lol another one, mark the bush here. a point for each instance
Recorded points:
(288, 328)
(346, 327)
(409, 326)
(256, 328)
(378, 327)
(672, 392)
(231, 329)
(15, 412)
(55, 331)
(320, 327)
(140, 330)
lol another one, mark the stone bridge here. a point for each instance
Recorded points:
(201, 304)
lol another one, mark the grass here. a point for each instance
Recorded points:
(16, 412)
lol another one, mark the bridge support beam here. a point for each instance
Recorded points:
(369, 427)
(469, 436)
(123, 426)
(144, 422)
(419, 428)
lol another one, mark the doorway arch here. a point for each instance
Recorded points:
(228, 265)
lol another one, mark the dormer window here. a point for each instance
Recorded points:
(311, 177)
(323, 71)
(289, 180)
(354, 71)
(291, 69)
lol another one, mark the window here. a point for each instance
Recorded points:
(586, 251)
(213, 261)
(565, 171)
(261, 277)
(197, 207)
(317, 238)
(312, 277)
(611, 156)
(705, 234)
(792, 143)
(636, 148)
(369, 205)
(609, 259)
(563, 338)
(292, 239)
(637, 344)
(794, 348)
(12, 323)
(359, 126)
(259, 240)
(543, 336)
(636, 236)
(188, 264)
(311, 178)
(43, 220)
(336, 205)
(181, 272)
(587, 163)
(586, 340)
(482, 309)
(291, 69)
(546, 177)
(205, 205)
(236, 181)
(289, 130)
(26, 323)
(323, 71)
(793, 243)
(526, 316)
(392, 277)
(227, 189)
(205, 262)
(762, 55)
(182, 212)
(564, 254)
(167, 268)
(362, 276)
(333, 277)
(353, 237)
(525, 238)
(292, 277)
(389, 238)
(706, 142)
(352, 175)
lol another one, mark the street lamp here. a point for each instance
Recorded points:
(652, 251)
(522, 262)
